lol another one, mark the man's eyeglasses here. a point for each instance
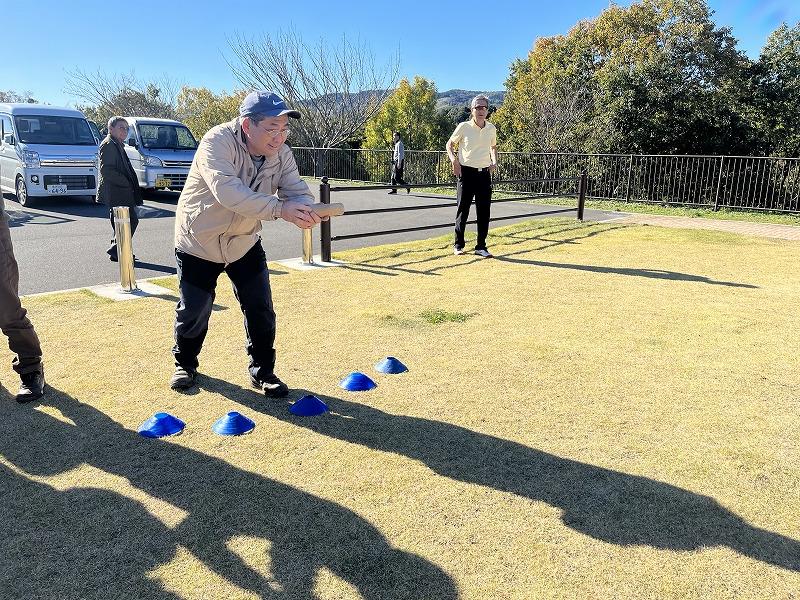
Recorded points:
(481, 107)
(273, 133)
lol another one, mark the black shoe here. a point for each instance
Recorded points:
(271, 386)
(392, 192)
(113, 258)
(32, 387)
(182, 379)
(408, 190)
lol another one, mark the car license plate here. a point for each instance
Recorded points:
(60, 188)
(163, 182)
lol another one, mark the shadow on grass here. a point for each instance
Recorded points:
(93, 543)
(403, 260)
(607, 505)
(649, 273)
(579, 231)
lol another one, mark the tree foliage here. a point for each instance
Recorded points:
(12, 96)
(411, 110)
(775, 89)
(201, 109)
(655, 77)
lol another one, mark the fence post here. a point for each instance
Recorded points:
(628, 183)
(582, 194)
(325, 226)
(122, 233)
(719, 183)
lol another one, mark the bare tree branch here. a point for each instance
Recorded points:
(123, 94)
(337, 88)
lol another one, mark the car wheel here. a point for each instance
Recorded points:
(22, 193)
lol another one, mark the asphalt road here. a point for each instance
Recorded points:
(60, 244)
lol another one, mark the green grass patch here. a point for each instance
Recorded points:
(438, 316)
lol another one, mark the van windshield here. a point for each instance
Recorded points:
(172, 137)
(55, 130)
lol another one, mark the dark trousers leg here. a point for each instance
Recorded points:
(250, 279)
(22, 339)
(197, 284)
(112, 249)
(397, 174)
(465, 191)
(483, 203)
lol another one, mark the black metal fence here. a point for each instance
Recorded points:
(575, 187)
(741, 182)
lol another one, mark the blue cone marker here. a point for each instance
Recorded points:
(357, 382)
(161, 424)
(308, 406)
(391, 366)
(233, 423)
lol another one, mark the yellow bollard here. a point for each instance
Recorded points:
(122, 231)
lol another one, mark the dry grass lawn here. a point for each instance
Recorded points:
(603, 411)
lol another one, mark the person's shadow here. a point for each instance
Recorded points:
(56, 544)
(306, 533)
(605, 504)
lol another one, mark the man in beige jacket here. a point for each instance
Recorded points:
(243, 173)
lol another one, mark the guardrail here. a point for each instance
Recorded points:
(325, 190)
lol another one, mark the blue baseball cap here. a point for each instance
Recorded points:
(265, 103)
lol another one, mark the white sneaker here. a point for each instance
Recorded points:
(458, 251)
(483, 253)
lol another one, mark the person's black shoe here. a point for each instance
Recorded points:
(408, 190)
(392, 192)
(31, 387)
(182, 379)
(271, 386)
(113, 258)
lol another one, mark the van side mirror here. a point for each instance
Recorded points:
(9, 139)
(132, 142)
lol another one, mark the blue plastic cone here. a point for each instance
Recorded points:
(391, 366)
(233, 424)
(357, 382)
(308, 406)
(160, 425)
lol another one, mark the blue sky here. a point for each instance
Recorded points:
(188, 40)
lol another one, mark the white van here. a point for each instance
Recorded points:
(46, 151)
(161, 152)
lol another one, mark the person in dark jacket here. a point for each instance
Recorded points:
(119, 185)
(22, 339)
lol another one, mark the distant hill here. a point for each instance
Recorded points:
(463, 97)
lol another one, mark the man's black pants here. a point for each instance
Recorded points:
(397, 174)
(473, 184)
(197, 282)
(112, 249)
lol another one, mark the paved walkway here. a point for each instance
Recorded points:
(783, 232)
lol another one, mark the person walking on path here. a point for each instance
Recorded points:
(243, 173)
(472, 149)
(22, 338)
(119, 185)
(398, 162)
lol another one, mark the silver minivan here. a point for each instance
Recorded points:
(46, 151)
(161, 152)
